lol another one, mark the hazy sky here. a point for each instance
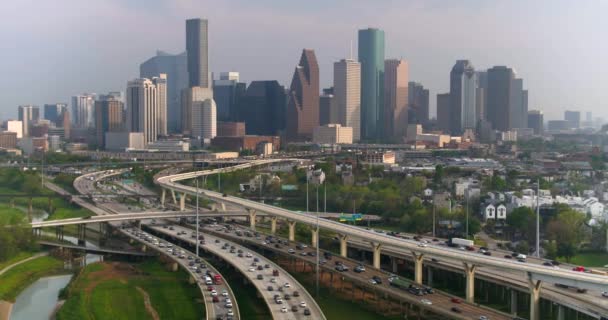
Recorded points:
(54, 49)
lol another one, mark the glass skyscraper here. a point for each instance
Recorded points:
(371, 56)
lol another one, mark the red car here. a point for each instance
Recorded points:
(579, 269)
(456, 300)
(209, 288)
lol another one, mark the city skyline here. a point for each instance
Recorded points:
(430, 53)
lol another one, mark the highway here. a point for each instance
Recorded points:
(242, 259)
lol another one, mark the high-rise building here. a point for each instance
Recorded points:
(519, 104)
(65, 123)
(302, 114)
(395, 100)
(144, 107)
(263, 108)
(463, 85)
(226, 92)
(573, 117)
(347, 94)
(328, 108)
(28, 115)
(189, 97)
(481, 94)
(197, 48)
(418, 104)
(108, 117)
(52, 112)
(175, 67)
(82, 110)
(498, 99)
(444, 112)
(535, 121)
(371, 56)
(15, 126)
(204, 120)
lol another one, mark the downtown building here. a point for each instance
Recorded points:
(227, 92)
(444, 113)
(28, 115)
(146, 107)
(302, 114)
(506, 100)
(347, 95)
(109, 111)
(536, 121)
(395, 118)
(175, 67)
(418, 104)
(463, 97)
(83, 110)
(263, 108)
(371, 57)
(573, 118)
(328, 108)
(54, 111)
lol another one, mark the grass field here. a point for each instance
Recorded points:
(10, 215)
(20, 256)
(18, 278)
(589, 259)
(114, 291)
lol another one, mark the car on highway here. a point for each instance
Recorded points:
(294, 308)
(303, 304)
(284, 309)
(306, 312)
(426, 301)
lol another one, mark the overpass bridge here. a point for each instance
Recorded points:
(94, 250)
(535, 275)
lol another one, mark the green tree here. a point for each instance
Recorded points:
(566, 229)
(522, 221)
(438, 177)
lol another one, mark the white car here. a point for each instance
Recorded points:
(605, 294)
(303, 304)
(213, 293)
(273, 280)
(230, 313)
(372, 281)
(284, 310)
(426, 301)
(228, 305)
(224, 293)
(252, 269)
(421, 244)
(287, 285)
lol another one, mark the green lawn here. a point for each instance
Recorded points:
(104, 292)
(20, 256)
(10, 215)
(18, 278)
(589, 259)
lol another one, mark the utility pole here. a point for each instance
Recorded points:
(538, 218)
(434, 222)
(318, 240)
(197, 233)
(219, 179)
(467, 218)
(307, 169)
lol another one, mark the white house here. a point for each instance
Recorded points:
(428, 192)
(490, 212)
(501, 212)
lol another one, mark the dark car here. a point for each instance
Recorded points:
(270, 288)
(296, 294)
(456, 309)
(294, 308)
(377, 279)
(487, 253)
(216, 299)
(260, 277)
(287, 297)
(306, 312)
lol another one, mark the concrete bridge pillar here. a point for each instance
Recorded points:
(561, 312)
(292, 230)
(315, 238)
(535, 286)
(162, 197)
(174, 197)
(182, 202)
(273, 224)
(252, 215)
(174, 266)
(144, 248)
(513, 302)
(376, 249)
(395, 266)
(469, 272)
(429, 276)
(343, 245)
(418, 259)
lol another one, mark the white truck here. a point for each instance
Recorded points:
(462, 242)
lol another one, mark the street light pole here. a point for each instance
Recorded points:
(538, 218)
(467, 219)
(318, 240)
(197, 226)
(434, 218)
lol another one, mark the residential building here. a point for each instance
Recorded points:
(463, 108)
(443, 112)
(371, 57)
(574, 118)
(53, 112)
(395, 100)
(197, 48)
(347, 94)
(227, 92)
(378, 157)
(536, 121)
(175, 67)
(333, 133)
(262, 108)
(418, 104)
(109, 113)
(303, 101)
(230, 129)
(498, 100)
(82, 110)
(28, 115)
(146, 107)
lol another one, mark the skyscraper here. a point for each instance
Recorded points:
(108, 117)
(481, 94)
(175, 67)
(263, 108)
(189, 97)
(463, 83)
(535, 121)
(52, 112)
(418, 103)
(518, 112)
(498, 99)
(82, 110)
(28, 115)
(395, 100)
(197, 47)
(328, 108)
(204, 119)
(573, 118)
(444, 114)
(226, 92)
(371, 56)
(161, 87)
(347, 94)
(144, 107)
(303, 104)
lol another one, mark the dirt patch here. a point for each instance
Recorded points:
(111, 270)
(5, 310)
(148, 304)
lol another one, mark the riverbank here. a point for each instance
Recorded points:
(20, 276)
(5, 310)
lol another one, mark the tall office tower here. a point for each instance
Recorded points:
(444, 112)
(463, 84)
(108, 117)
(82, 110)
(418, 104)
(204, 119)
(328, 108)
(28, 115)
(302, 114)
(52, 112)
(174, 66)
(573, 117)
(481, 94)
(347, 94)
(395, 100)
(535, 121)
(226, 92)
(589, 116)
(161, 91)
(263, 108)
(189, 97)
(498, 99)
(197, 48)
(518, 104)
(65, 123)
(144, 109)
(371, 56)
